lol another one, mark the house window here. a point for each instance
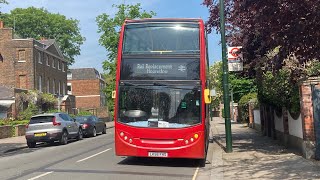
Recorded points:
(69, 88)
(59, 64)
(63, 70)
(22, 56)
(59, 86)
(22, 81)
(54, 87)
(48, 86)
(53, 62)
(46, 59)
(64, 88)
(69, 75)
(39, 57)
(40, 83)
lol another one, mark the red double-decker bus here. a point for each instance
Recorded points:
(161, 89)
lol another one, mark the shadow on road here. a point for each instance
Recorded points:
(167, 162)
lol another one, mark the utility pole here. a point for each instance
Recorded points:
(226, 100)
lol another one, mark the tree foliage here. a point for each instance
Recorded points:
(280, 43)
(239, 85)
(262, 26)
(109, 28)
(39, 23)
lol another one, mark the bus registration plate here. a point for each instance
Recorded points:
(158, 154)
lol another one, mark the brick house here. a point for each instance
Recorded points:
(29, 64)
(87, 85)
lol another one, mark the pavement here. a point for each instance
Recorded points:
(10, 145)
(254, 156)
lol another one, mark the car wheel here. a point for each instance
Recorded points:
(64, 138)
(80, 134)
(31, 144)
(94, 132)
(104, 131)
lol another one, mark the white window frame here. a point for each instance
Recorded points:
(59, 86)
(47, 59)
(24, 57)
(39, 57)
(63, 68)
(69, 92)
(40, 83)
(59, 67)
(48, 86)
(53, 62)
(64, 88)
(54, 86)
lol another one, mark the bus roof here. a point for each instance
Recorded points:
(151, 20)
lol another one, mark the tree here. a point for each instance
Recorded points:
(238, 84)
(280, 43)
(39, 23)
(109, 28)
(262, 26)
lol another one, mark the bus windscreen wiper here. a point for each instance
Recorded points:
(173, 86)
(159, 84)
(128, 84)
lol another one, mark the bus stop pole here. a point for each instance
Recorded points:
(225, 71)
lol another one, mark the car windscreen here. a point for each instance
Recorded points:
(41, 119)
(161, 38)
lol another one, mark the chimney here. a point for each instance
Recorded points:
(1, 24)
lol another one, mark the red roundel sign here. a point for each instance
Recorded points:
(234, 52)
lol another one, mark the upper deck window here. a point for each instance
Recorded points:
(161, 38)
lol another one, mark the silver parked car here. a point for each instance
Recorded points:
(52, 127)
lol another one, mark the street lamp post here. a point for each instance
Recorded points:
(226, 98)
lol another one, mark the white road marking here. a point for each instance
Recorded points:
(94, 155)
(41, 175)
(195, 174)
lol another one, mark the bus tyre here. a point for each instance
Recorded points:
(202, 162)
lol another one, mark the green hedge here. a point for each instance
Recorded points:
(13, 122)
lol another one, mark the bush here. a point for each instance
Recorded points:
(8, 122)
(84, 113)
(244, 106)
(29, 112)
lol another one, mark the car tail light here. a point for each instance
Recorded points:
(84, 126)
(27, 125)
(55, 123)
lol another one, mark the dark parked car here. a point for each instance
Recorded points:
(91, 125)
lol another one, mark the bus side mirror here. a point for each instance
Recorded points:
(207, 97)
(113, 94)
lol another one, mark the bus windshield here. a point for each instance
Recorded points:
(161, 38)
(159, 106)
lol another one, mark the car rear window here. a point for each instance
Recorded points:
(41, 119)
(83, 119)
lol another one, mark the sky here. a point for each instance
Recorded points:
(92, 54)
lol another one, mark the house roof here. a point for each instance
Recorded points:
(47, 42)
(6, 93)
(51, 45)
(85, 73)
